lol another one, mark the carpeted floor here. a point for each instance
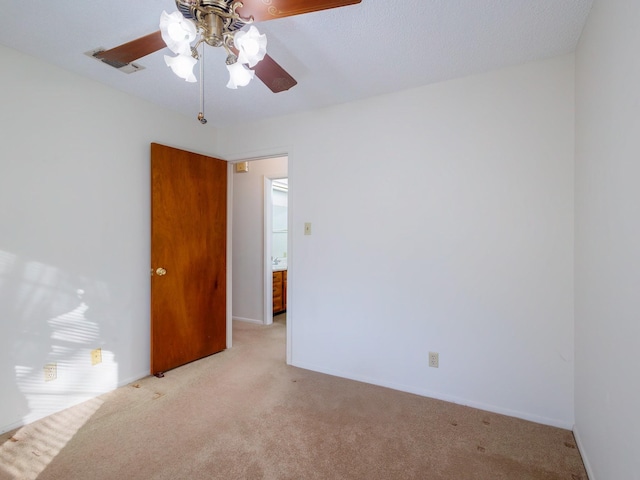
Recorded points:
(244, 414)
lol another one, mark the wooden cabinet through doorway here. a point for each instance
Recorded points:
(279, 291)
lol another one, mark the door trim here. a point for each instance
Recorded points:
(230, 167)
(267, 243)
(267, 271)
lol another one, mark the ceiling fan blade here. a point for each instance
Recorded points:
(133, 50)
(262, 10)
(273, 75)
(276, 78)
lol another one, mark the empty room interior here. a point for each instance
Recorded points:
(461, 190)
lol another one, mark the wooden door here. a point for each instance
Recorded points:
(188, 257)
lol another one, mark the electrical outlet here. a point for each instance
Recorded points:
(434, 359)
(50, 372)
(96, 356)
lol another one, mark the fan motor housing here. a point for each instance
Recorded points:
(197, 10)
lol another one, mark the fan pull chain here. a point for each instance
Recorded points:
(201, 114)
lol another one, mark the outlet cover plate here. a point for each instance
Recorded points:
(96, 356)
(50, 372)
(434, 359)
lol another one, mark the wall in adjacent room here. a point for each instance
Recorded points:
(607, 268)
(74, 234)
(449, 228)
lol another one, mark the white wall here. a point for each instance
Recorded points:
(608, 241)
(449, 228)
(248, 237)
(74, 190)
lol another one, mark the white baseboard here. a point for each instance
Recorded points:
(248, 320)
(121, 383)
(583, 454)
(11, 426)
(439, 396)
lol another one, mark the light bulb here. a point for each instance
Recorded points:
(252, 46)
(182, 65)
(177, 32)
(239, 75)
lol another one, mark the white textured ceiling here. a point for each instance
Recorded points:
(336, 56)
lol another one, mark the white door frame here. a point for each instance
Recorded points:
(267, 235)
(230, 168)
(267, 270)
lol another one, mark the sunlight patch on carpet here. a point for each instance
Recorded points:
(33, 447)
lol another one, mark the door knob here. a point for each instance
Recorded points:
(161, 271)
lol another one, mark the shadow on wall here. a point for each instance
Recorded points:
(50, 341)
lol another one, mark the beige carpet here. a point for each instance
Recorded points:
(244, 414)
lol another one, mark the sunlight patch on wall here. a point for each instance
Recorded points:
(37, 337)
(73, 336)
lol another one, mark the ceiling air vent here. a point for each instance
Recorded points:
(123, 67)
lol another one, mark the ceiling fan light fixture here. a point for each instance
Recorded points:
(239, 75)
(182, 65)
(177, 32)
(251, 45)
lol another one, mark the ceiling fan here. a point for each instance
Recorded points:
(219, 23)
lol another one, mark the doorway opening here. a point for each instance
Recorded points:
(260, 241)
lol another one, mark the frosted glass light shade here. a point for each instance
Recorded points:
(251, 45)
(182, 65)
(239, 75)
(177, 32)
